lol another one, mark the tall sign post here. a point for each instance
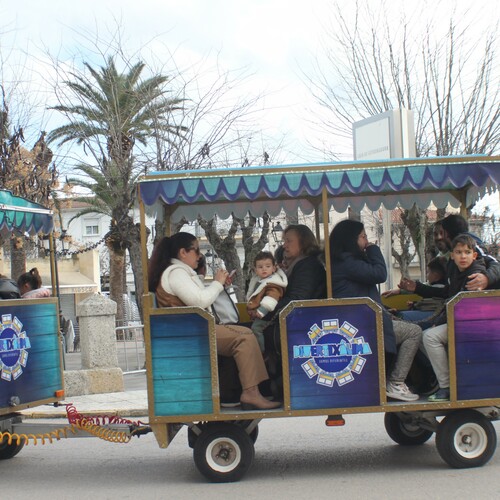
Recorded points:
(381, 137)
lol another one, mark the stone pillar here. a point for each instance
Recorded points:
(100, 371)
(96, 317)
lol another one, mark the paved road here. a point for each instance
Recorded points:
(296, 458)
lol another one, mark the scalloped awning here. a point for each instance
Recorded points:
(440, 180)
(18, 213)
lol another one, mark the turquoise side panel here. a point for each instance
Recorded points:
(30, 362)
(181, 365)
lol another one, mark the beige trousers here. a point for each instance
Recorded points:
(240, 343)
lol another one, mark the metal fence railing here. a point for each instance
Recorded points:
(130, 347)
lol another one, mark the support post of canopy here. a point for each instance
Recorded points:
(144, 247)
(324, 202)
(317, 223)
(53, 266)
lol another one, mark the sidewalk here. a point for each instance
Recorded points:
(133, 402)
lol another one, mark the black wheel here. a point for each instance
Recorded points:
(9, 450)
(405, 433)
(192, 436)
(223, 452)
(244, 425)
(254, 434)
(466, 438)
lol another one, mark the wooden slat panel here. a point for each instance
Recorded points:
(181, 371)
(185, 367)
(477, 347)
(191, 408)
(175, 347)
(42, 374)
(182, 390)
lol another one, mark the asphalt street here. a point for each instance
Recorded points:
(296, 458)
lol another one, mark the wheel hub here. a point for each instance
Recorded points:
(467, 439)
(470, 440)
(224, 454)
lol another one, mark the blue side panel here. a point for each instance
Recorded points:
(181, 365)
(332, 354)
(477, 345)
(30, 359)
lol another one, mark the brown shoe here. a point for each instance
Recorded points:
(268, 405)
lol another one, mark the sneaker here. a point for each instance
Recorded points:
(441, 395)
(399, 390)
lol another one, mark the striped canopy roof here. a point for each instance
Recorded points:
(25, 216)
(440, 180)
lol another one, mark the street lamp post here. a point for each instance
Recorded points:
(277, 231)
(213, 256)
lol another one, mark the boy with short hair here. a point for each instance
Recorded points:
(464, 262)
(265, 289)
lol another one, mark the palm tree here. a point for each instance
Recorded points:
(108, 113)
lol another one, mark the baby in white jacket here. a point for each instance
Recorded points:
(266, 288)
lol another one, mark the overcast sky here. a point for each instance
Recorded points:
(272, 39)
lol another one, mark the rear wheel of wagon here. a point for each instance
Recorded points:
(9, 450)
(223, 452)
(405, 433)
(466, 438)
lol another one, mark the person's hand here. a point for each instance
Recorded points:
(390, 293)
(221, 276)
(229, 279)
(252, 314)
(408, 285)
(477, 281)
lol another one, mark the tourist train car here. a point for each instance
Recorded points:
(332, 349)
(31, 371)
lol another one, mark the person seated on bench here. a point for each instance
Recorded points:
(419, 312)
(358, 266)
(464, 263)
(172, 276)
(30, 285)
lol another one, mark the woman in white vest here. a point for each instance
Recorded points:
(173, 278)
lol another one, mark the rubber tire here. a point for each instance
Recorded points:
(192, 437)
(9, 450)
(468, 424)
(230, 438)
(254, 434)
(403, 433)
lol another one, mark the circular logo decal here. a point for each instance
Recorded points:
(14, 345)
(335, 353)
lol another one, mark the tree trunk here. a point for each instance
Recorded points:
(116, 285)
(17, 257)
(136, 263)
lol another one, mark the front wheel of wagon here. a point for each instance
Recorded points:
(405, 433)
(223, 452)
(466, 438)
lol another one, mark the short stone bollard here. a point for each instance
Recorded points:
(100, 372)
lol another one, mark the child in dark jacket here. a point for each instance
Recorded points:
(463, 263)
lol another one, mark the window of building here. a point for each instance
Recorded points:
(91, 229)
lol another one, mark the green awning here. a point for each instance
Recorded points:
(22, 215)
